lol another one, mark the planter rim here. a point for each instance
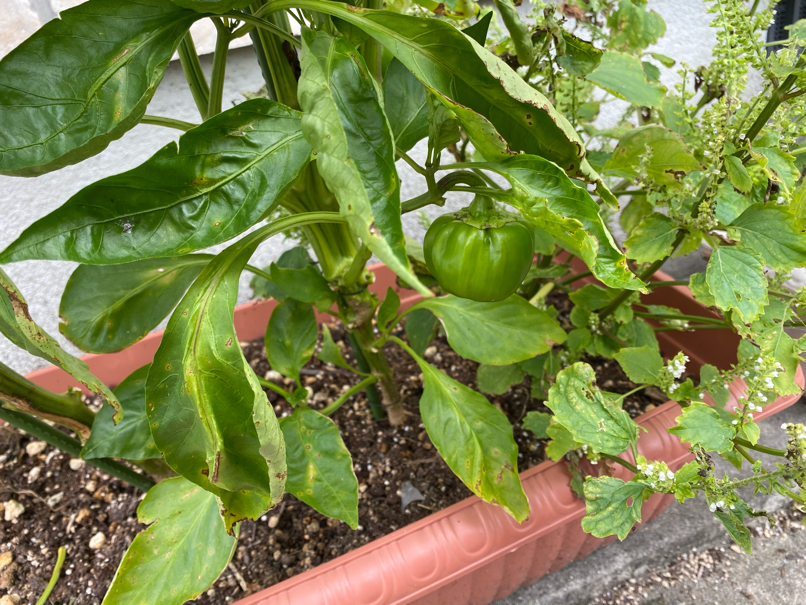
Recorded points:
(407, 569)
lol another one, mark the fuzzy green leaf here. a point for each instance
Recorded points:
(221, 179)
(131, 438)
(537, 423)
(702, 424)
(738, 175)
(778, 165)
(770, 231)
(735, 278)
(18, 326)
(83, 80)
(580, 57)
(320, 469)
(623, 76)
(770, 334)
(641, 364)
(474, 438)
(652, 239)
(611, 506)
(496, 333)
(562, 441)
(291, 337)
(134, 298)
(582, 409)
(181, 552)
(669, 157)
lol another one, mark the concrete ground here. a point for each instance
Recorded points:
(684, 556)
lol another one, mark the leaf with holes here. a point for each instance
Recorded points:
(702, 424)
(612, 506)
(735, 278)
(652, 239)
(221, 179)
(181, 552)
(320, 469)
(666, 158)
(771, 232)
(641, 364)
(496, 333)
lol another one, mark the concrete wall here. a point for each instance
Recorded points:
(24, 200)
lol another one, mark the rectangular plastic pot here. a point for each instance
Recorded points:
(471, 553)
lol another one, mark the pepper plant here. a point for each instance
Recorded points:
(515, 109)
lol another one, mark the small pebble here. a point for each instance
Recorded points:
(55, 499)
(76, 464)
(91, 486)
(10, 599)
(430, 351)
(13, 510)
(273, 376)
(34, 473)
(273, 521)
(34, 448)
(97, 541)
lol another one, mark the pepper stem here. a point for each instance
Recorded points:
(481, 206)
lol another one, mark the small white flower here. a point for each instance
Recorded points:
(751, 405)
(764, 398)
(804, 455)
(780, 199)
(760, 359)
(732, 507)
(712, 508)
(735, 422)
(784, 426)
(702, 395)
(649, 467)
(750, 416)
(670, 475)
(652, 484)
(720, 504)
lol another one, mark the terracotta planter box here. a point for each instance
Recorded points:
(471, 553)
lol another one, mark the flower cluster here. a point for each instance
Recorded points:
(657, 474)
(797, 438)
(674, 370)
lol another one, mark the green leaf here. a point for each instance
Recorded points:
(549, 199)
(306, 285)
(702, 424)
(17, 325)
(729, 203)
(623, 75)
(738, 175)
(475, 440)
(537, 423)
(320, 469)
(770, 334)
(580, 57)
(221, 179)
(733, 521)
(611, 506)
(634, 212)
(771, 231)
(471, 76)
(497, 333)
(711, 379)
(405, 105)
(497, 380)
(669, 159)
(131, 438)
(478, 31)
(641, 364)
(83, 80)
(673, 116)
(134, 299)
(652, 239)
(778, 165)
(209, 415)
(354, 146)
(582, 409)
(735, 277)
(181, 552)
(293, 258)
(519, 32)
(638, 333)
(291, 337)
(330, 352)
(421, 328)
(633, 26)
(700, 290)
(443, 125)
(562, 441)
(212, 6)
(592, 297)
(662, 59)
(388, 309)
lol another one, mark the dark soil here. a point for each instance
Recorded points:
(289, 539)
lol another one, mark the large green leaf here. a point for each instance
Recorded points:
(474, 438)
(83, 80)
(18, 326)
(405, 105)
(580, 407)
(778, 165)
(771, 231)
(652, 239)
(456, 66)
(291, 337)
(496, 333)
(181, 552)
(209, 416)
(133, 299)
(669, 158)
(497, 380)
(519, 32)
(611, 506)
(735, 278)
(775, 343)
(580, 57)
(220, 180)
(623, 76)
(421, 328)
(131, 438)
(547, 197)
(320, 469)
(702, 424)
(641, 364)
(212, 6)
(354, 146)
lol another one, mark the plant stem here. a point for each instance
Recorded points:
(259, 272)
(373, 395)
(622, 462)
(54, 577)
(167, 122)
(277, 389)
(573, 278)
(744, 454)
(778, 96)
(194, 75)
(414, 165)
(368, 381)
(661, 284)
(372, 49)
(690, 328)
(56, 438)
(219, 69)
(267, 25)
(271, 53)
(759, 448)
(681, 317)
